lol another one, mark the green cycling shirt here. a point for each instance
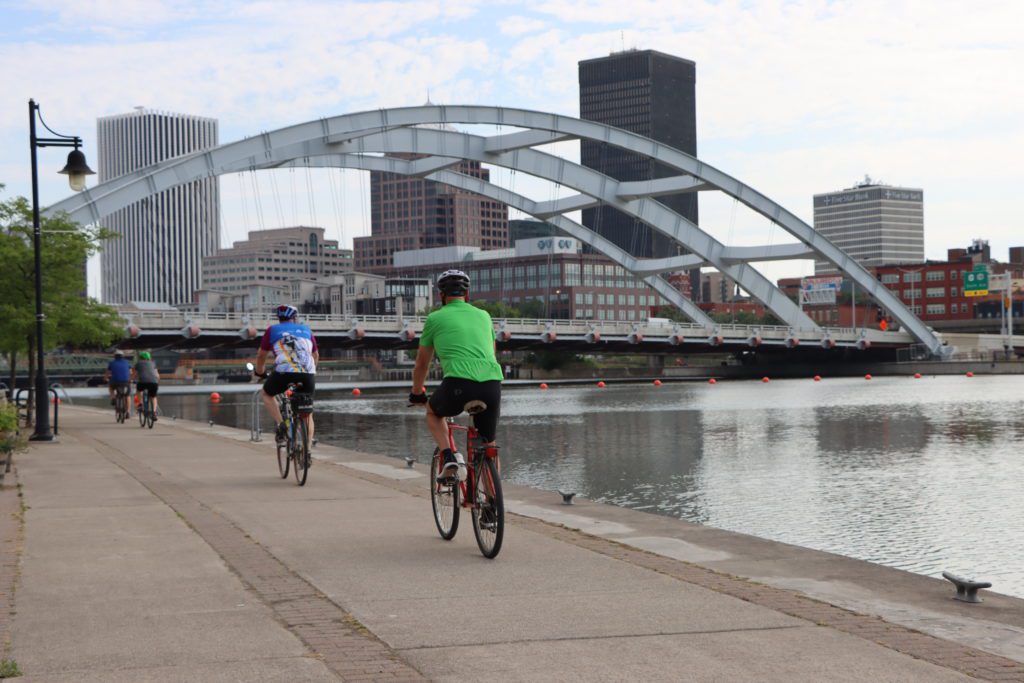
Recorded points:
(462, 336)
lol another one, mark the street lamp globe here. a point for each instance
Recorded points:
(76, 170)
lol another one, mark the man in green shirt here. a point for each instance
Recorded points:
(463, 338)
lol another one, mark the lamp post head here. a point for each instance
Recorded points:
(76, 170)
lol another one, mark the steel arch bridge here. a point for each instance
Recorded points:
(361, 140)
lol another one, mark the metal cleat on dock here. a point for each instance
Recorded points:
(567, 497)
(966, 589)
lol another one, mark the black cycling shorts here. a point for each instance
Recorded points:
(121, 387)
(278, 382)
(450, 399)
(150, 388)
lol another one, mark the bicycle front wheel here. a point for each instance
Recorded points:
(300, 451)
(444, 498)
(488, 507)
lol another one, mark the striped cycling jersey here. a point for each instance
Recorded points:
(293, 346)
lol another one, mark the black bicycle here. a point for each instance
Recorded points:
(121, 403)
(147, 416)
(296, 411)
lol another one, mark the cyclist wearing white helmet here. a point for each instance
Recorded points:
(295, 357)
(463, 338)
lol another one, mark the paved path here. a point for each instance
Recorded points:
(178, 554)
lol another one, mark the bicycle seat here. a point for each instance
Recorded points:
(475, 406)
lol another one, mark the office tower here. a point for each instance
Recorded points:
(875, 224)
(162, 239)
(652, 94)
(274, 257)
(413, 213)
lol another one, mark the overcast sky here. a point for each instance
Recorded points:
(793, 98)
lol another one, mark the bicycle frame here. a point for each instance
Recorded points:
(472, 452)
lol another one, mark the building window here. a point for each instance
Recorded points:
(912, 277)
(936, 309)
(952, 291)
(936, 275)
(890, 278)
(936, 292)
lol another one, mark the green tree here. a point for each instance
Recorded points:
(72, 318)
(672, 313)
(498, 309)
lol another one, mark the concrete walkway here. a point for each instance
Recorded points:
(178, 554)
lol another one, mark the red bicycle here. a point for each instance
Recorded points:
(480, 492)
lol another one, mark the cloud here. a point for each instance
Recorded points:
(793, 98)
(518, 25)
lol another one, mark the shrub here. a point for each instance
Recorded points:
(8, 418)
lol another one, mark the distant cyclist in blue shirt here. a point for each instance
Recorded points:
(295, 357)
(118, 374)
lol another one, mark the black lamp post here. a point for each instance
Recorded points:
(76, 170)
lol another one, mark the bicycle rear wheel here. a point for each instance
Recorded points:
(142, 413)
(488, 509)
(444, 498)
(150, 414)
(300, 451)
(122, 408)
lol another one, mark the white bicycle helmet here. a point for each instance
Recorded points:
(453, 282)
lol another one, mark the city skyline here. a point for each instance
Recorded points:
(848, 89)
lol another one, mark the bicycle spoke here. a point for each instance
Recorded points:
(488, 507)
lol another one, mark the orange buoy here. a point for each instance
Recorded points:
(600, 385)
(765, 379)
(867, 376)
(817, 378)
(357, 392)
(543, 385)
(712, 381)
(215, 397)
(657, 382)
(970, 374)
(917, 375)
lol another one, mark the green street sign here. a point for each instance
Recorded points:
(976, 281)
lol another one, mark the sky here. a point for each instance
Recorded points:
(793, 98)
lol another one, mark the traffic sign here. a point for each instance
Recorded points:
(976, 281)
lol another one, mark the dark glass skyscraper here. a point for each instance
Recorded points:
(652, 94)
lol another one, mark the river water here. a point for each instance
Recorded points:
(924, 475)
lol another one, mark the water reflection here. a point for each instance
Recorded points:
(922, 475)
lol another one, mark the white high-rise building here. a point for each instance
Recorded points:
(162, 239)
(875, 224)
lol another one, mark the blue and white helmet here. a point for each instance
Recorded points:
(286, 312)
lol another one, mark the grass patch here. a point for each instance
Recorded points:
(9, 668)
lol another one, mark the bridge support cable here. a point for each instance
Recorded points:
(351, 132)
(527, 206)
(586, 181)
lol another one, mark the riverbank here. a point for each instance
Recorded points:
(185, 538)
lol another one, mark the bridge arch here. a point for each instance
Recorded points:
(364, 134)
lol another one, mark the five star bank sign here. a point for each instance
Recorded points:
(976, 281)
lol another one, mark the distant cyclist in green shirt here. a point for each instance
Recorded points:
(463, 338)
